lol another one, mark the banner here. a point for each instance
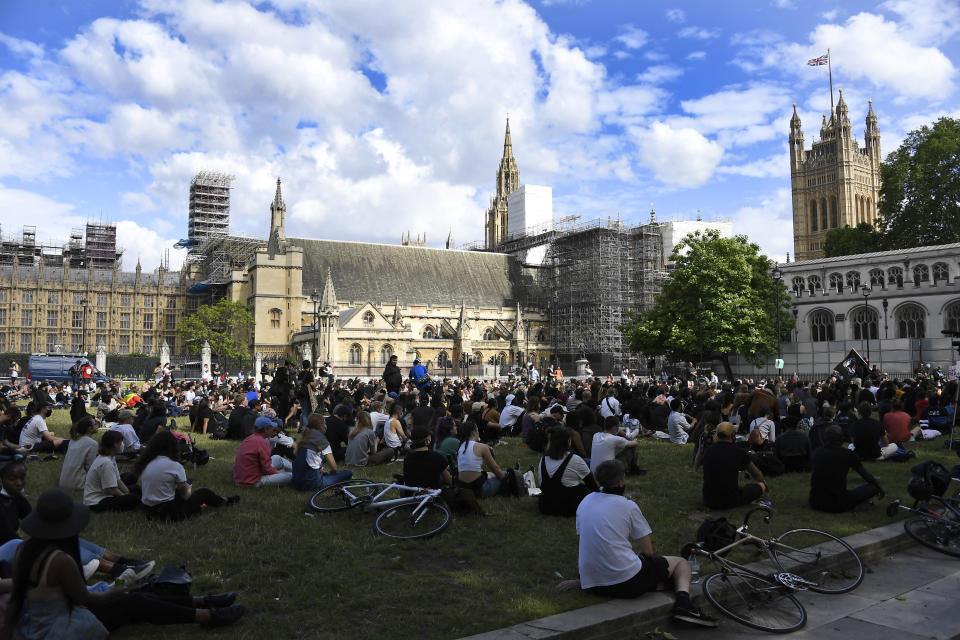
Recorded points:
(852, 366)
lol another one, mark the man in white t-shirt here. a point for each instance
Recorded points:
(607, 523)
(510, 414)
(36, 437)
(131, 441)
(607, 445)
(610, 406)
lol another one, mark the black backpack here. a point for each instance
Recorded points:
(537, 437)
(716, 533)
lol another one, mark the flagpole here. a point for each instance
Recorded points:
(830, 69)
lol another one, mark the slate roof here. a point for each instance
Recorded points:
(379, 273)
(29, 273)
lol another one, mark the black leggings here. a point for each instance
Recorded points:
(179, 509)
(125, 502)
(138, 607)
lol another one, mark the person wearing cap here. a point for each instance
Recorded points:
(124, 424)
(830, 465)
(50, 598)
(313, 450)
(722, 464)
(422, 466)
(610, 526)
(253, 465)
(35, 436)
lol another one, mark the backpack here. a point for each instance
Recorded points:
(716, 533)
(537, 437)
(218, 430)
(513, 484)
(769, 464)
(933, 477)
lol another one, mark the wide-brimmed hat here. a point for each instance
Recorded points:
(56, 516)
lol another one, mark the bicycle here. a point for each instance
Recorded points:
(417, 513)
(935, 528)
(807, 559)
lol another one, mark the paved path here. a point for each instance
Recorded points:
(912, 595)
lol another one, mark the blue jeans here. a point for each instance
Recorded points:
(304, 415)
(491, 487)
(88, 550)
(327, 479)
(283, 476)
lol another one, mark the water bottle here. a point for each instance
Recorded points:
(694, 569)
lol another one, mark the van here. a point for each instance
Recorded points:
(56, 367)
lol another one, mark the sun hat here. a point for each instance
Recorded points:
(56, 516)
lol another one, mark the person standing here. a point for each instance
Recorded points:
(392, 377)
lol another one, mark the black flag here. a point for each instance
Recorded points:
(852, 366)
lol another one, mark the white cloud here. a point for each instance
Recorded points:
(830, 15)
(658, 74)
(783, 4)
(698, 33)
(769, 223)
(696, 55)
(677, 156)
(926, 22)
(676, 15)
(137, 202)
(775, 166)
(631, 37)
(20, 47)
(146, 245)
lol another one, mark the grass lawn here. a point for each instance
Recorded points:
(330, 575)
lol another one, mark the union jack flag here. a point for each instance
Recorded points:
(817, 62)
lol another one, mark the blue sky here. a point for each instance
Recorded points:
(383, 117)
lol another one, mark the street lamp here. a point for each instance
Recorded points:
(796, 339)
(777, 277)
(315, 299)
(886, 305)
(865, 292)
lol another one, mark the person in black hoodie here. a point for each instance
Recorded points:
(392, 376)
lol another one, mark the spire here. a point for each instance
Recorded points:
(872, 133)
(397, 319)
(507, 144)
(450, 244)
(824, 127)
(843, 119)
(278, 197)
(653, 214)
(795, 119)
(329, 299)
(278, 210)
(462, 325)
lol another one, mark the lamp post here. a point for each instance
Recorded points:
(886, 305)
(865, 292)
(777, 277)
(796, 336)
(315, 299)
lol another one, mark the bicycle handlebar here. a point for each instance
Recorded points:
(759, 507)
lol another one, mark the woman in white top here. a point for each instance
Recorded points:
(565, 478)
(80, 454)
(471, 456)
(394, 434)
(165, 490)
(103, 489)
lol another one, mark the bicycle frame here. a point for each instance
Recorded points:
(923, 510)
(370, 503)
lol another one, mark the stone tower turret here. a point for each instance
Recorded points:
(508, 180)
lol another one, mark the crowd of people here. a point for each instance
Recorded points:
(309, 431)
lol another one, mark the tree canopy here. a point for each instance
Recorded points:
(920, 188)
(722, 292)
(846, 241)
(225, 326)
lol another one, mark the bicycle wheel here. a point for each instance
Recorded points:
(755, 602)
(818, 557)
(410, 521)
(333, 498)
(939, 536)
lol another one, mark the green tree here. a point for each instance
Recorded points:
(225, 326)
(863, 238)
(920, 188)
(722, 293)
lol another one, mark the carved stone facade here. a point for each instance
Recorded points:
(508, 181)
(835, 183)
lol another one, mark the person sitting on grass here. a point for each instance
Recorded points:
(394, 433)
(165, 490)
(607, 523)
(565, 477)
(50, 599)
(80, 454)
(471, 456)
(722, 464)
(35, 436)
(124, 424)
(103, 490)
(362, 448)
(869, 439)
(607, 445)
(253, 465)
(313, 451)
(828, 482)
(793, 446)
(423, 466)
(678, 426)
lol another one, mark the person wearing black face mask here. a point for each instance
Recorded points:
(35, 436)
(607, 522)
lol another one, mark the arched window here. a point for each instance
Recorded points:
(951, 316)
(813, 215)
(356, 354)
(823, 213)
(541, 336)
(477, 357)
(488, 335)
(834, 214)
(876, 278)
(443, 360)
(429, 333)
(911, 321)
(798, 284)
(941, 272)
(275, 318)
(416, 355)
(921, 273)
(853, 279)
(836, 282)
(821, 326)
(385, 352)
(864, 323)
(895, 276)
(813, 283)
(368, 318)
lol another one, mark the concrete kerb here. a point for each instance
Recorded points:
(613, 618)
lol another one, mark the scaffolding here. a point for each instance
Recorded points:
(217, 257)
(101, 245)
(209, 214)
(96, 244)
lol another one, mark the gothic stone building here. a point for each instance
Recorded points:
(508, 181)
(836, 182)
(375, 300)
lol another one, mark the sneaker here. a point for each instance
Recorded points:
(219, 600)
(693, 615)
(224, 616)
(140, 570)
